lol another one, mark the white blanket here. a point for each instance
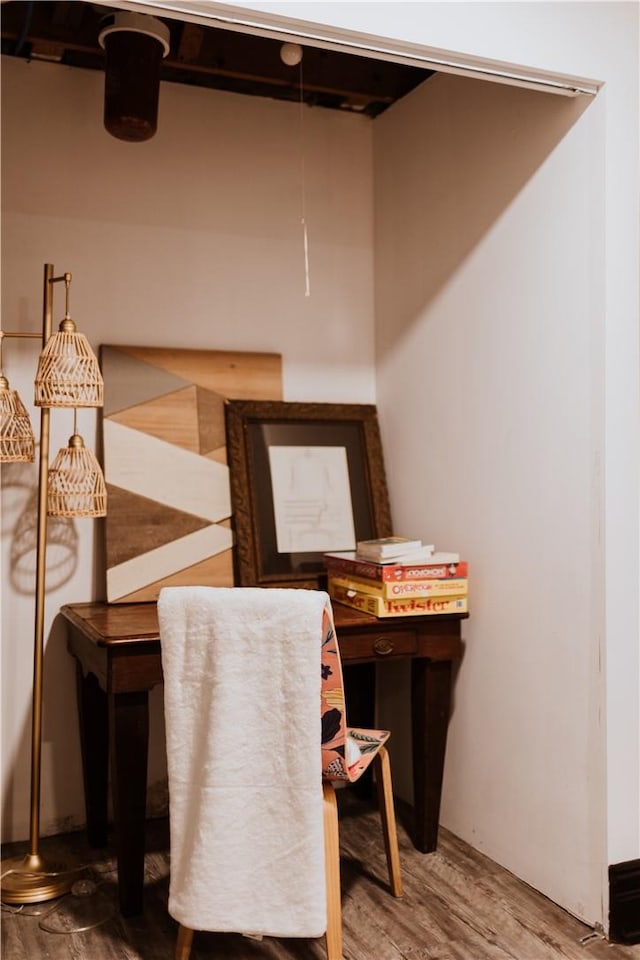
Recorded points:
(242, 708)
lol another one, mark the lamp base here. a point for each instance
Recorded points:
(31, 879)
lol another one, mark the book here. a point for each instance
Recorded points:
(409, 607)
(399, 589)
(411, 556)
(347, 563)
(389, 547)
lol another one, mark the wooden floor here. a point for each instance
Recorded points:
(458, 905)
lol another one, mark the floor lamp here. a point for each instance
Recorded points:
(67, 376)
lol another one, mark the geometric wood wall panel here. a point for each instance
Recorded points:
(169, 516)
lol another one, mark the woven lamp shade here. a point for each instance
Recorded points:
(68, 374)
(17, 442)
(76, 485)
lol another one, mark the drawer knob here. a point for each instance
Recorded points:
(383, 646)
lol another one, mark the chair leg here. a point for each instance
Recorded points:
(332, 872)
(183, 945)
(388, 816)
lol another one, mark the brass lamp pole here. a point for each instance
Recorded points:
(68, 376)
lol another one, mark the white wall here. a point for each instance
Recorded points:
(192, 239)
(488, 303)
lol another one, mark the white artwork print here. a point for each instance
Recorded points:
(311, 499)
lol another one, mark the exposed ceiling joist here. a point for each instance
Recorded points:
(67, 33)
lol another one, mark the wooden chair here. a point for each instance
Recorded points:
(346, 753)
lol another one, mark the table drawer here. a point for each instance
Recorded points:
(379, 645)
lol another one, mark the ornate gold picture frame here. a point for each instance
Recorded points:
(305, 478)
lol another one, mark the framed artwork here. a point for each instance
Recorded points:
(165, 462)
(306, 478)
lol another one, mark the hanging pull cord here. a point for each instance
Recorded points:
(303, 188)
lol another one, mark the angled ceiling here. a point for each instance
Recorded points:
(67, 33)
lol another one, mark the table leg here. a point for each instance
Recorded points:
(129, 728)
(430, 706)
(94, 744)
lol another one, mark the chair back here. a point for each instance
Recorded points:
(346, 751)
(332, 702)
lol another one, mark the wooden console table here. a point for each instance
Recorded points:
(117, 651)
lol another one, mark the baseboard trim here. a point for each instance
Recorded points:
(624, 902)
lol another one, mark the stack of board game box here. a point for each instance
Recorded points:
(387, 578)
